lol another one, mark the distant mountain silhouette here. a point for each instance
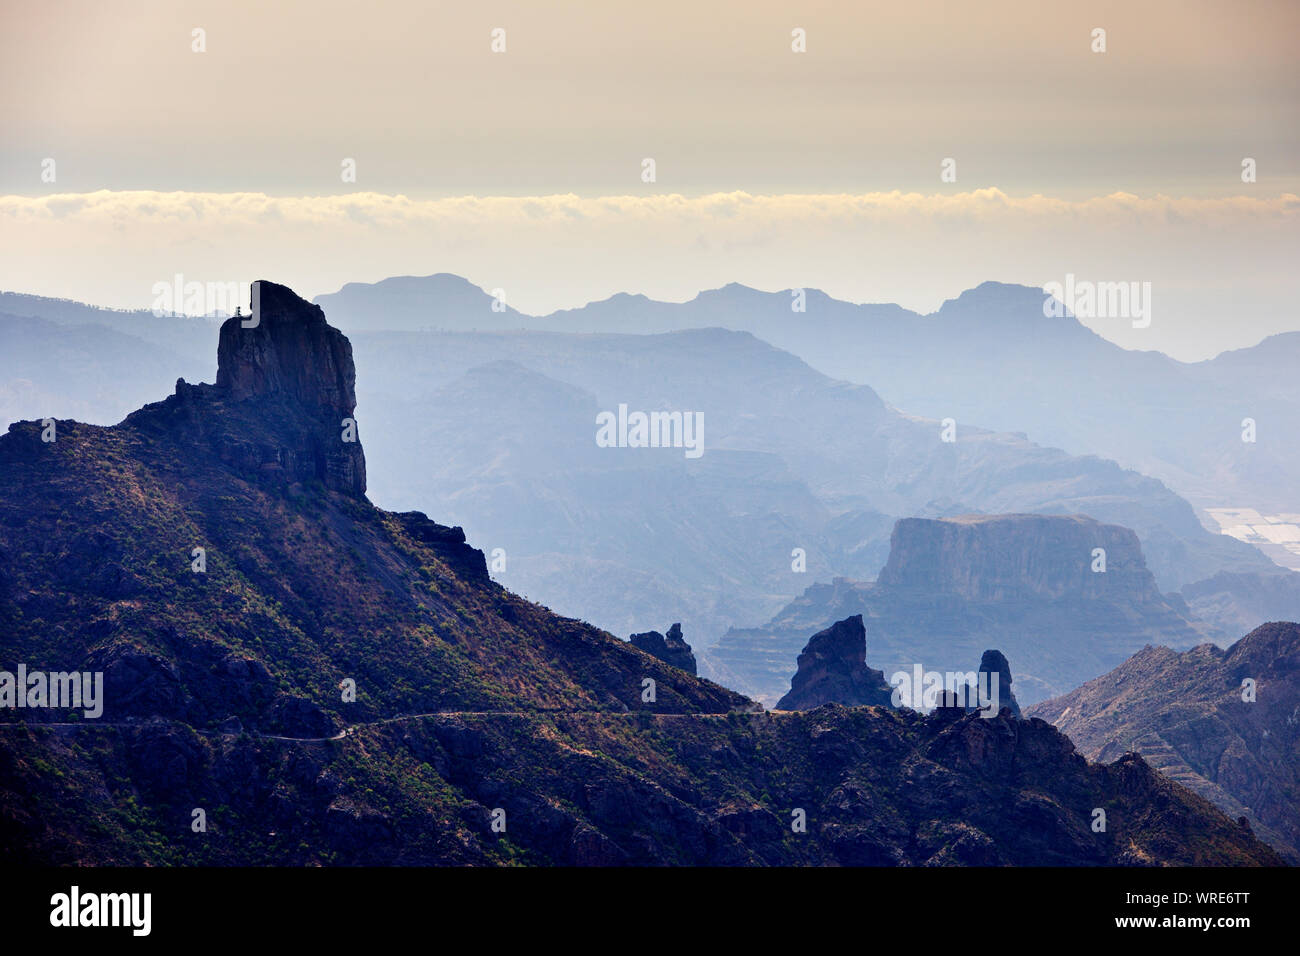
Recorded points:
(792, 460)
(88, 372)
(989, 357)
(193, 338)
(1236, 602)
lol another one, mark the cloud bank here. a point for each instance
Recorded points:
(1222, 269)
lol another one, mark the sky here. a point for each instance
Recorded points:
(524, 169)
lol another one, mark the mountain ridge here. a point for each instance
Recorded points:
(1189, 714)
(709, 545)
(981, 357)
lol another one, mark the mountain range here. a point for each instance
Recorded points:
(295, 676)
(990, 357)
(801, 477)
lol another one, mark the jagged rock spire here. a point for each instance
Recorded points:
(995, 662)
(671, 648)
(833, 668)
(285, 353)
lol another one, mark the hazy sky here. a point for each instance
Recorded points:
(523, 169)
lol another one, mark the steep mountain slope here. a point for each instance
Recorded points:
(1189, 715)
(876, 787)
(954, 587)
(484, 729)
(255, 470)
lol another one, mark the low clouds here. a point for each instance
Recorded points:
(1220, 267)
(150, 207)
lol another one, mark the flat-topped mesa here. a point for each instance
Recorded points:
(284, 353)
(1065, 596)
(999, 558)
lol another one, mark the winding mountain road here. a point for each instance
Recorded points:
(347, 731)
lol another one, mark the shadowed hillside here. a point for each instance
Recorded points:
(1189, 715)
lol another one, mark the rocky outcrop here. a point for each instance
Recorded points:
(286, 349)
(995, 662)
(281, 411)
(833, 669)
(448, 543)
(670, 648)
(1191, 716)
(1031, 585)
(988, 694)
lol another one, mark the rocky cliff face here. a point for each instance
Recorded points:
(955, 586)
(286, 346)
(1185, 713)
(670, 648)
(991, 559)
(833, 669)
